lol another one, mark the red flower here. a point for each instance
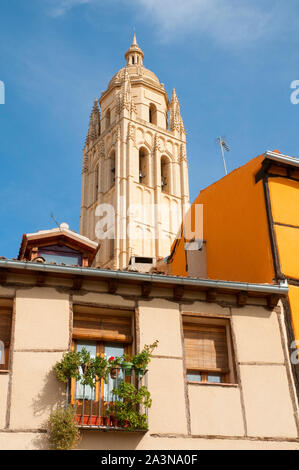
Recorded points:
(111, 359)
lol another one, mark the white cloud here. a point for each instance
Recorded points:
(60, 7)
(226, 21)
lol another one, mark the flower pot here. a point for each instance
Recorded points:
(87, 420)
(113, 422)
(95, 420)
(140, 371)
(127, 368)
(114, 372)
(104, 420)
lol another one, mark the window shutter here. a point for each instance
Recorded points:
(5, 334)
(100, 327)
(5, 326)
(205, 347)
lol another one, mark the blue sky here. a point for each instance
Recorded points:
(231, 62)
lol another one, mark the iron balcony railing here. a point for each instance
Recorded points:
(91, 404)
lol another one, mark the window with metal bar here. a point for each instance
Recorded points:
(100, 334)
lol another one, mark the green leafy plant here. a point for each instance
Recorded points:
(63, 434)
(87, 367)
(68, 367)
(81, 366)
(126, 409)
(100, 365)
(142, 359)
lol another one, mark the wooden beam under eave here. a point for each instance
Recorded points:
(211, 295)
(178, 292)
(41, 279)
(77, 282)
(3, 276)
(112, 286)
(242, 298)
(146, 288)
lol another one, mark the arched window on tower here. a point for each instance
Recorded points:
(152, 114)
(165, 174)
(108, 118)
(96, 186)
(111, 248)
(143, 166)
(112, 168)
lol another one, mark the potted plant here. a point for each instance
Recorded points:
(142, 359)
(125, 411)
(127, 365)
(114, 366)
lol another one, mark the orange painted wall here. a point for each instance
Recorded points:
(235, 228)
(284, 200)
(178, 265)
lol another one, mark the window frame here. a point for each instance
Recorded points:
(228, 376)
(6, 308)
(99, 388)
(5, 367)
(128, 344)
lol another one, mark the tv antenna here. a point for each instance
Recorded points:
(52, 217)
(223, 146)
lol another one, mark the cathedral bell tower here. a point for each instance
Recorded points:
(135, 173)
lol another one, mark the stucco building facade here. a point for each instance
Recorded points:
(252, 406)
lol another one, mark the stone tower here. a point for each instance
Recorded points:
(135, 173)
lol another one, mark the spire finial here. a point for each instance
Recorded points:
(174, 93)
(134, 54)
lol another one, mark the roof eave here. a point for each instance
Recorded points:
(267, 289)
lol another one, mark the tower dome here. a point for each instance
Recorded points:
(135, 68)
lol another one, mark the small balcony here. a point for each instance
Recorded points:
(118, 404)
